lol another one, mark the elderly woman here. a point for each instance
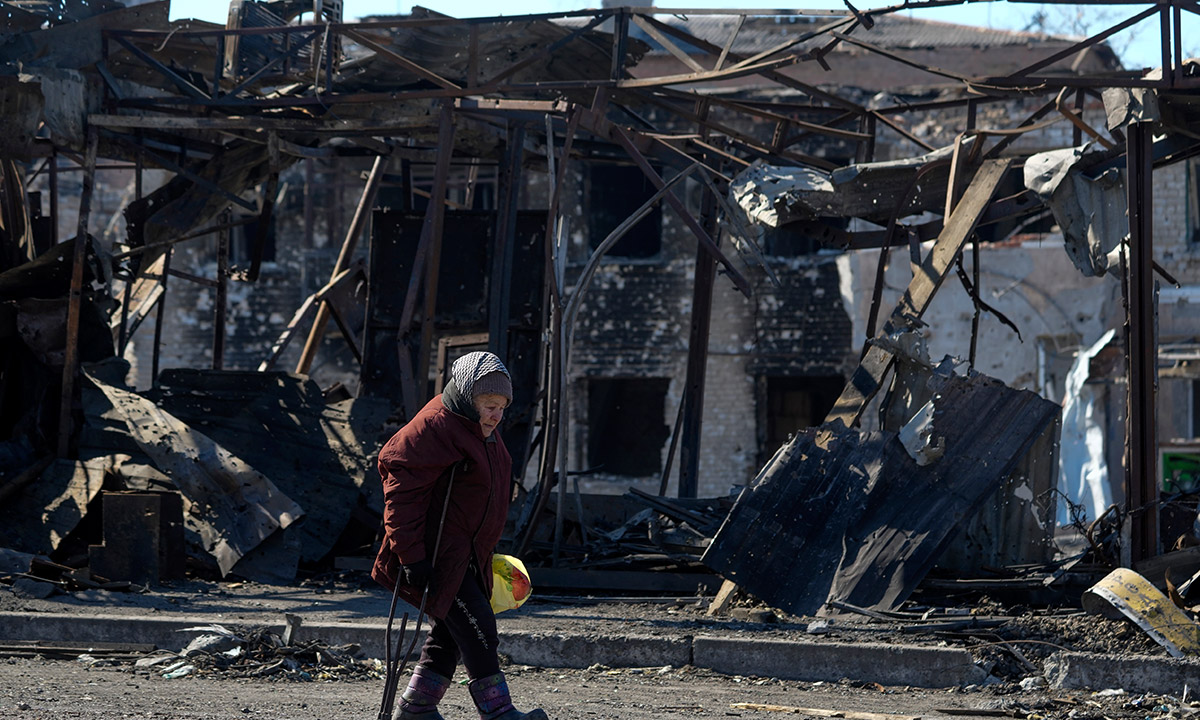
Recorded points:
(451, 446)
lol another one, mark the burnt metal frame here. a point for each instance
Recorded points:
(635, 142)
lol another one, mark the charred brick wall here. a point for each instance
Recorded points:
(801, 327)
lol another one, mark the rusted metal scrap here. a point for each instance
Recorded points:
(832, 517)
(1124, 593)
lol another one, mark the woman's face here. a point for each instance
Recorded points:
(491, 411)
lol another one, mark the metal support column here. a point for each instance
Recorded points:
(75, 301)
(413, 382)
(500, 287)
(693, 392)
(701, 320)
(1141, 477)
(433, 226)
(54, 197)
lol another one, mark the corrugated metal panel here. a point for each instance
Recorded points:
(839, 515)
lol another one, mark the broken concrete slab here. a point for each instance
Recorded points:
(1134, 674)
(774, 196)
(581, 651)
(830, 662)
(13, 562)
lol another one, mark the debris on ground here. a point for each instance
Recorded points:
(260, 652)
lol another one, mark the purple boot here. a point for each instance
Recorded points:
(420, 699)
(491, 697)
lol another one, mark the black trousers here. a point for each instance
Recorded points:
(467, 633)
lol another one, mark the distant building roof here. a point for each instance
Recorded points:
(891, 31)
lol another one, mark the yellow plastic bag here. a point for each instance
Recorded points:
(510, 583)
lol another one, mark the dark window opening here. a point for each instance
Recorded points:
(1192, 168)
(1196, 408)
(802, 238)
(795, 403)
(626, 431)
(242, 239)
(614, 193)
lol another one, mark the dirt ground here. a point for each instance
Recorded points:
(39, 689)
(1013, 643)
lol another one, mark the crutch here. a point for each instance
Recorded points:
(394, 665)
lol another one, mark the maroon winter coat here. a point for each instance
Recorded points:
(415, 467)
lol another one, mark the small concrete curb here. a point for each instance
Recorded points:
(865, 662)
(917, 666)
(1134, 674)
(581, 651)
(166, 632)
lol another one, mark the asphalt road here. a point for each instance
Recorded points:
(39, 689)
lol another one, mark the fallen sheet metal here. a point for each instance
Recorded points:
(1124, 593)
(231, 505)
(832, 517)
(774, 196)
(37, 519)
(1091, 211)
(322, 456)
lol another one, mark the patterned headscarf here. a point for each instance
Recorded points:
(464, 373)
(471, 367)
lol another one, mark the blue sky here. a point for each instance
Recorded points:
(1138, 46)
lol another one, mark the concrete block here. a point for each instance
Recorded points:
(139, 629)
(863, 662)
(167, 632)
(1132, 673)
(581, 651)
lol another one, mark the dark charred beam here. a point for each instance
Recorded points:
(70, 373)
(622, 137)
(866, 381)
(899, 58)
(778, 77)
(185, 86)
(1142, 478)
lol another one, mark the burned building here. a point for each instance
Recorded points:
(691, 238)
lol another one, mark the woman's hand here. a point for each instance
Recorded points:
(419, 574)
